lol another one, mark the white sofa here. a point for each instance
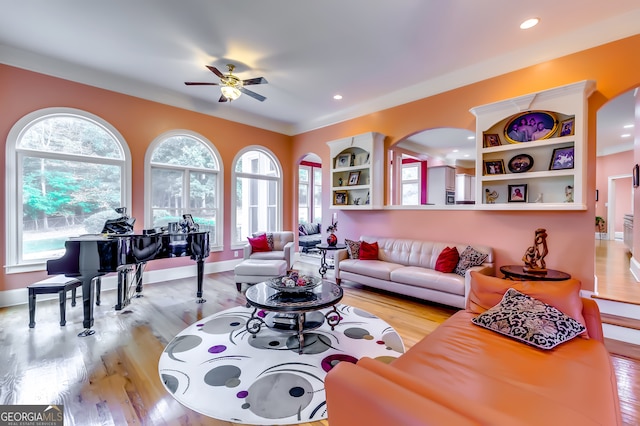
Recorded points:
(406, 266)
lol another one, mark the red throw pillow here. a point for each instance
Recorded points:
(447, 260)
(368, 251)
(259, 243)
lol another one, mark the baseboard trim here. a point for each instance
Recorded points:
(634, 267)
(110, 282)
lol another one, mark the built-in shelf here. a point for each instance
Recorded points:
(356, 172)
(563, 111)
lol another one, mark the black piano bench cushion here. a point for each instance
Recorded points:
(56, 284)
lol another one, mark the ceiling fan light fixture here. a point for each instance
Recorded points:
(230, 92)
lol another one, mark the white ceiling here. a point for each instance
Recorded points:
(377, 54)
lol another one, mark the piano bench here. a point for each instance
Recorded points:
(57, 284)
(253, 271)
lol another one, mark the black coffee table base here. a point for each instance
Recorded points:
(302, 321)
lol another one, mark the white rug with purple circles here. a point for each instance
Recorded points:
(217, 368)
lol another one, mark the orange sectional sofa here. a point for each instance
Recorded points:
(463, 374)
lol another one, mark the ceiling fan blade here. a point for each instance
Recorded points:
(257, 80)
(252, 94)
(215, 71)
(223, 98)
(194, 83)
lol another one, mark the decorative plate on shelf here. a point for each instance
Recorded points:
(520, 163)
(294, 283)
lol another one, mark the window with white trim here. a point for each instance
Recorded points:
(67, 171)
(309, 192)
(411, 183)
(184, 177)
(257, 201)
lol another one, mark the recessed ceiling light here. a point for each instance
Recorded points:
(626, 135)
(628, 126)
(455, 150)
(471, 137)
(529, 23)
(337, 97)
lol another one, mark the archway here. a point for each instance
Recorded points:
(614, 196)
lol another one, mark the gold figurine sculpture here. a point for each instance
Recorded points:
(490, 196)
(534, 256)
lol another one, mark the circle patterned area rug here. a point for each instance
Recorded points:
(215, 367)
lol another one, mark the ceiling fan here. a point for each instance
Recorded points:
(231, 86)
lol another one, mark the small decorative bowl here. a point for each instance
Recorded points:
(294, 283)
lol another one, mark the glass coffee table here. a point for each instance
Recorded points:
(295, 311)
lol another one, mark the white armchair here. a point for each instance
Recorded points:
(283, 248)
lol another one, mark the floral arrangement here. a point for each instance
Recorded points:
(333, 227)
(293, 279)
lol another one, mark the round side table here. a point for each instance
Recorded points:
(323, 252)
(517, 272)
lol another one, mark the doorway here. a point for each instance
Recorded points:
(614, 197)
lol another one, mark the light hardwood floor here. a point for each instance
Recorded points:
(111, 378)
(615, 281)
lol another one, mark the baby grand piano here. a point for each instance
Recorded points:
(91, 256)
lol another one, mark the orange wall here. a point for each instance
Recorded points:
(140, 122)
(571, 234)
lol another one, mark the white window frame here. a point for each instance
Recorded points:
(236, 242)
(417, 181)
(309, 185)
(313, 188)
(13, 197)
(148, 211)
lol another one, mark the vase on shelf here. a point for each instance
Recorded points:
(332, 240)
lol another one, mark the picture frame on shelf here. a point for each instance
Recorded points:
(361, 159)
(520, 163)
(491, 139)
(343, 160)
(562, 158)
(494, 167)
(531, 126)
(340, 198)
(566, 127)
(518, 193)
(354, 178)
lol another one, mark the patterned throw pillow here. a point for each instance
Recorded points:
(529, 320)
(468, 258)
(270, 240)
(301, 230)
(447, 260)
(353, 248)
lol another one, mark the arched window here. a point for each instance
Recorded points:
(67, 172)
(258, 193)
(184, 176)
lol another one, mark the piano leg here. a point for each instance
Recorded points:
(139, 270)
(200, 263)
(87, 306)
(122, 287)
(98, 290)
